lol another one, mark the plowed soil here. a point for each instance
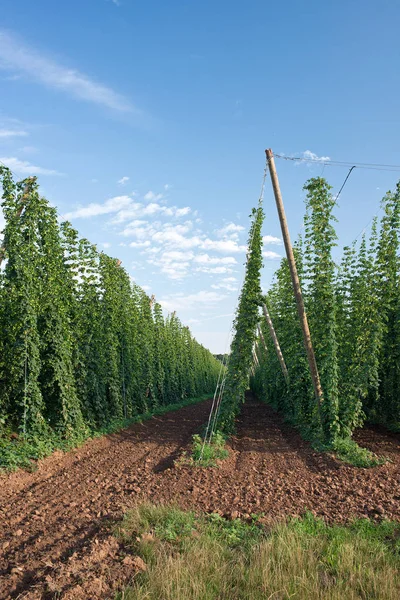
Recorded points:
(55, 524)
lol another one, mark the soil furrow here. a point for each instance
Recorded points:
(54, 523)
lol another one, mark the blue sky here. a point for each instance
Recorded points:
(146, 123)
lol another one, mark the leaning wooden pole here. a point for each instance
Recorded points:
(261, 335)
(276, 343)
(295, 280)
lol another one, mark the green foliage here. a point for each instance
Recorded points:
(206, 455)
(354, 317)
(319, 272)
(81, 346)
(207, 557)
(349, 452)
(240, 360)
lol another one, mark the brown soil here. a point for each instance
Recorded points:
(55, 538)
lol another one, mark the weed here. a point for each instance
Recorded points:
(207, 557)
(205, 455)
(350, 452)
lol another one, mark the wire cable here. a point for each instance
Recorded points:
(340, 163)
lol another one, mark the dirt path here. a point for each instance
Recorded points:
(54, 538)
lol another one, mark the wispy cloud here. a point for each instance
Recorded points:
(222, 245)
(17, 56)
(8, 133)
(203, 298)
(271, 239)
(308, 155)
(123, 180)
(229, 229)
(270, 255)
(23, 167)
(152, 196)
(226, 283)
(205, 259)
(93, 210)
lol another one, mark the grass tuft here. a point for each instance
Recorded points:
(205, 455)
(206, 557)
(351, 453)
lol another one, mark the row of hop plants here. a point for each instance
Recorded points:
(81, 345)
(240, 359)
(353, 310)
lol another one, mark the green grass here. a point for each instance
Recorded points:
(17, 452)
(191, 557)
(205, 455)
(348, 451)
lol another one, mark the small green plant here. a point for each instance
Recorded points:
(205, 454)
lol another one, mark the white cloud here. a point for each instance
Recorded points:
(174, 236)
(137, 210)
(93, 210)
(222, 245)
(123, 180)
(308, 155)
(17, 56)
(23, 167)
(153, 208)
(174, 263)
(145, 244)
(6, 133)
(182, 212)
(269, 255)
(152, 196)
(229, 229)
(106, 245)
(167, 187)
(270, 239)
(214, 270)
(205, 259)
(227, 283)
(125, 209)
(174, 255)
(188, 302)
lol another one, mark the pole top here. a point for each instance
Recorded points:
(269, 153)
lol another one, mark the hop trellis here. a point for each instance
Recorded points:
(80, 344)
(354, 317)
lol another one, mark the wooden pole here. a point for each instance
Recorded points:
(276, 343)
(258, 350)
(295, 280)
(260, 333)
(255, 357)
